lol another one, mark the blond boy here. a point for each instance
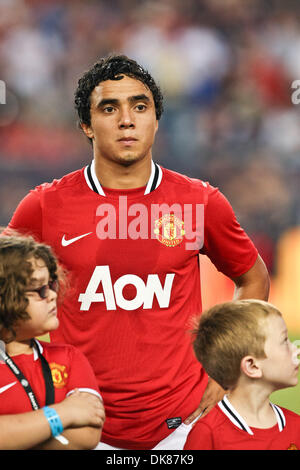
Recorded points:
(244, 346)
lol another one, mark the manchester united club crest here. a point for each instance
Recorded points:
(293, 447)
(59, 375)
(169, 230)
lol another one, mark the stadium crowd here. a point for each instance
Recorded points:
(226, 70)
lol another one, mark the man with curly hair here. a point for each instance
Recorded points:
(130, 233)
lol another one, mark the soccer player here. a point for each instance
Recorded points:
(244, 346)
(130, 233)
(49, 397)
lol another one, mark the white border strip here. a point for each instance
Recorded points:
(86, 390)
(235, 417)
(279, 414)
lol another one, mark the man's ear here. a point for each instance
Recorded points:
(87, 130)
(250, 367)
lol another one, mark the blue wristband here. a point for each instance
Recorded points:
(53, 420)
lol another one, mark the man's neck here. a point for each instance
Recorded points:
(117, 176)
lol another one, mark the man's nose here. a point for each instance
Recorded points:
(126, 119)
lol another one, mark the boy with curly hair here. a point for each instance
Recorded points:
(45, 389)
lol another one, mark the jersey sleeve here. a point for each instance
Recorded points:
(27, 218)
(81, 374)
(199, 438)
(225, 242)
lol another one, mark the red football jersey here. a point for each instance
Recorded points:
(224, 429)
(70, 370)
(133, 256)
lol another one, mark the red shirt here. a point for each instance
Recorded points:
(135, 284)
(70, 370)
(224, 429)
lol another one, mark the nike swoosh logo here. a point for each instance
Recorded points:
(6, 387)
(65, 242)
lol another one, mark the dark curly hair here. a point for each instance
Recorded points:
(113, 67)
(15, 274)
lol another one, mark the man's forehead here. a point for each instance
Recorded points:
(123, 88)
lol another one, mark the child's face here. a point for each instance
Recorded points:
(42, 312)
(280, 367)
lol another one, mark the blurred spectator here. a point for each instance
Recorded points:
(188, 59)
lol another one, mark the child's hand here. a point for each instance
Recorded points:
(81, 409)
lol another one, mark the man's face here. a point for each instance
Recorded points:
(280, 367)
(123, 121)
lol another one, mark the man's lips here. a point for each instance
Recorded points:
(127, 139)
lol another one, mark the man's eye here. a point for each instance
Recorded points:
(141, 107)
(108, 109)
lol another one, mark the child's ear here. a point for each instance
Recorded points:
(250, 367)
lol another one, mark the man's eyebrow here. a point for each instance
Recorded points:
(131, 99)
(141, 97)
(106, 101)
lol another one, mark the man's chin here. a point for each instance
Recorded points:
(128, 160)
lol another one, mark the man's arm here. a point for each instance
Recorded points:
(254, 284)
(27, 218)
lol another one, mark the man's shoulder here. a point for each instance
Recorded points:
(70, 180)
(184, 180)
(192, 189)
